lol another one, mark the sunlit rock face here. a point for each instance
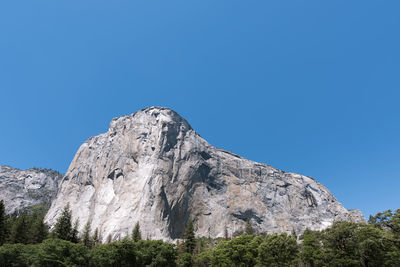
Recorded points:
(151, 167)
(20, 189)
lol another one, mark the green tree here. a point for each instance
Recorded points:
(130, 253)
(18, 255)
(28, 227)
(239, 251)
(57, 252)
(188, 246)
(75, 232)
(277, 250)
(371, 245)
(389, 222)
(155, 253)
(136, 235)
(63, 226)
(226, 234)
(39, 230)
(96, 237)
(311, 253)
(186, 260)
(20, 230)
(189, 238)
(9, 221)
(359, 244)
(249, 229)
(116, 254)
(341, 245)
(3, 230)
(393, 257)
(204, 258)
(86, 238)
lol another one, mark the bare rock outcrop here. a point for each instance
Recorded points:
(20, 189)
(151, 167)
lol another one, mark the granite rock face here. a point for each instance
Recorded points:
(151, 167)
(20, 189)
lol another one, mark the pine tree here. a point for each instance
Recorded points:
(86, 238)
(2, 223)
(249, 229)
(99, 237)
(226, 235)
(189, 238)
(39, 231)
(75, 232)
(189, 244)
(136, 235)
(312, 250)
(96, 237)
(19, 230)
(63, 227)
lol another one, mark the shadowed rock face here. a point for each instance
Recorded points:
(20, 189)
(151, 167)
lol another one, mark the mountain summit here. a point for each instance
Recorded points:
(151, 167)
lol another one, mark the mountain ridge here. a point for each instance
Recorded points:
(152, 167)
(20, 189)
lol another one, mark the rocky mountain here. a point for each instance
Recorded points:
(20, 189)
(151, 167)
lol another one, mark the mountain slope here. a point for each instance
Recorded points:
(151, 167)
(20, 189)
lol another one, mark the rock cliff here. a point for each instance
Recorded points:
(20, 189)
(151, 167)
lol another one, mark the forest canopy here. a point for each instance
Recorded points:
(26, 241)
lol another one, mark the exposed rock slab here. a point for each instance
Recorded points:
(20, 189)
(152, 167)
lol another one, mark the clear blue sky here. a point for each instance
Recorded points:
(306, 86)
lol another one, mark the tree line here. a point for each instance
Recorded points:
(26, 241)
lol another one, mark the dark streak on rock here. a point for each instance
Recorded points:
(248, 214)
